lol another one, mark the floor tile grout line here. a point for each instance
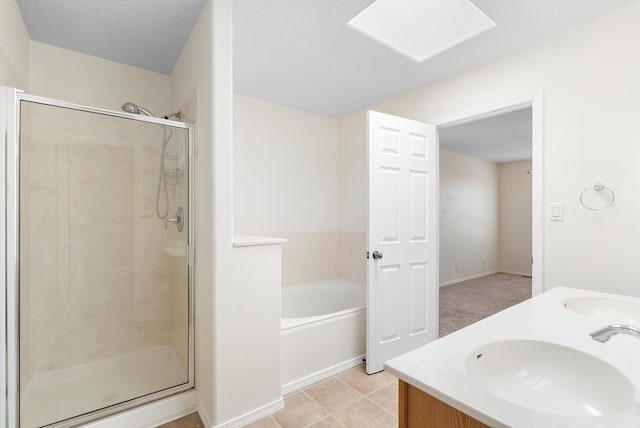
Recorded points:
(315, 401)
(340, 422)
(382, 387)
(302, 391)
(329, 412)
(366, 396)
(361, 396)
(321, 406)
(275, 422)
(326, 417)
(363, 393)
(349, 386)
(376, 403)
(382, 408)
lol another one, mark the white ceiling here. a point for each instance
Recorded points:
(502, 138)
(144, 33)
(298, 53)
(301, 53)
(421, 29)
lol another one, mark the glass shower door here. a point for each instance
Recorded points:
(104, 276)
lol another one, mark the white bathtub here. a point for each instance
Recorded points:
(323, 331)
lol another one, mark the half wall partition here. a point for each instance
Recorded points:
(99, 292)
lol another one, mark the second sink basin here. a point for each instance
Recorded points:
(613, 310)
(549, 378)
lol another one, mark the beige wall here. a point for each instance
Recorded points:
(286, 169)
(14, 47)
(485, 217)
(245, 280)
(237, 289)
(589, 80)
(84, 79)
(353, 173)
(287, 184)
(191, 82)
(468, 216)
(352, 170)
(514, 181)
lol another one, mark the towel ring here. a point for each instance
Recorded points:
(598, 187)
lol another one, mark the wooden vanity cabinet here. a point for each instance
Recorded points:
(418, 409)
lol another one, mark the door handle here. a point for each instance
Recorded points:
(377, 255)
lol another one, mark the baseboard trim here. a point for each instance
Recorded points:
(204, 416)
(320, 375)
(511, 272)
(467, 278)
(252, 416)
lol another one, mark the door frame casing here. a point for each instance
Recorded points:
(535, 102)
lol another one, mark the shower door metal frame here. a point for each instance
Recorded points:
(12, 259)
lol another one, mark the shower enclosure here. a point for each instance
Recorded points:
(99, 292)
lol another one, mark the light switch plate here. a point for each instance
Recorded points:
(557, 212)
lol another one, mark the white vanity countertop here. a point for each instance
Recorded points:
(439, 367)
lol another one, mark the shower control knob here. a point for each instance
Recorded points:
(177, 219)
(377, 255)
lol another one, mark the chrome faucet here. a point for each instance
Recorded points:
(604, 334)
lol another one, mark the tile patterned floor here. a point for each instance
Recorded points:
(354, 399)
(349, 399)
(189, 421)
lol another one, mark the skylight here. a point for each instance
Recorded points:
(421, 29)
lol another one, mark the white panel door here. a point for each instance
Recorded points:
(401, 237)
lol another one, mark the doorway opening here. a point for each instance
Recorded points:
(490, 212)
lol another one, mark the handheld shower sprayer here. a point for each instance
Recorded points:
(133, 108)
(136, 109)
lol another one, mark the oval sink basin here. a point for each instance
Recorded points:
(549, 378)
(614, 310)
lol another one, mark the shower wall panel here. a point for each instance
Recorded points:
(97, 274)
(103, 280)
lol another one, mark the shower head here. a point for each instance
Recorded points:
(136, 109)
(130, 107)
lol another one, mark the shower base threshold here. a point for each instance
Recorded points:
(57, 395)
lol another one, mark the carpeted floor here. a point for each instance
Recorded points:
(466, 302)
